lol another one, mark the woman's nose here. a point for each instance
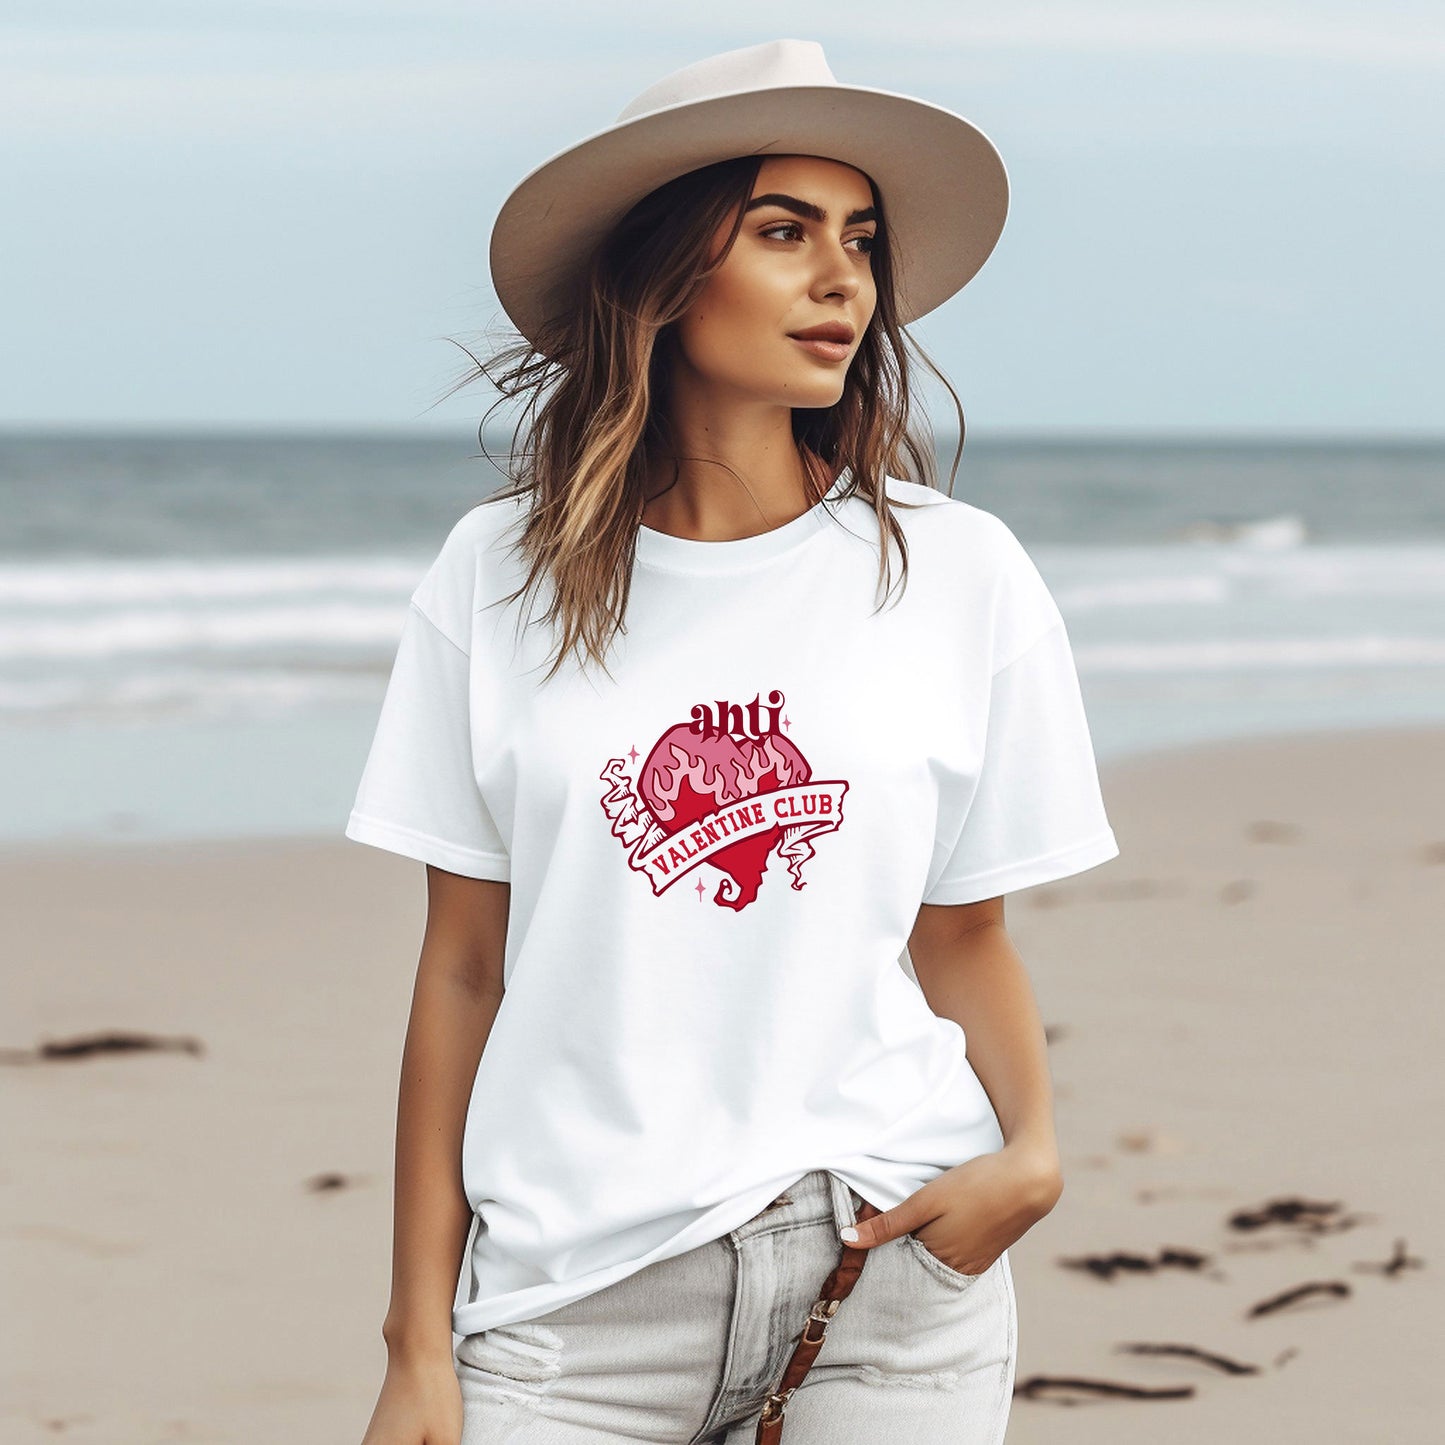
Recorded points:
(838, 277)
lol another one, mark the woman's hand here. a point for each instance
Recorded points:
(420, 1403)
(971, 1213)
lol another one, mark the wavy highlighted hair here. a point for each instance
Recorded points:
(595, 421)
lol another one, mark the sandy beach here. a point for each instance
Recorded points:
(1244, 1018)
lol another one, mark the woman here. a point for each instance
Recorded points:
(662, 1014)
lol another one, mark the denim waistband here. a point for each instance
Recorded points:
(819, 1196)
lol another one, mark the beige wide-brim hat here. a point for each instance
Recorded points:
(943, 183)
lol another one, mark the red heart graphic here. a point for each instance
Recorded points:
(687, 776)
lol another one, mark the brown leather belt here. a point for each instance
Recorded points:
(835, 1290)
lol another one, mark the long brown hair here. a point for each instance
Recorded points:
(596, 419)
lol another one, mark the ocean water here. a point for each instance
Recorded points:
(195, 631)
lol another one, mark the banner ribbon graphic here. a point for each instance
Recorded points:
(802, 811)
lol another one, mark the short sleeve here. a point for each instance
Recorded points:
(1037, 813)
(418, 794)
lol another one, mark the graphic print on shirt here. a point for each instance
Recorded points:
(727, 789)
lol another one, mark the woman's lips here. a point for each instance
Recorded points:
(828, 350)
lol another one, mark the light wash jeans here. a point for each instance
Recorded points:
(683, 1351)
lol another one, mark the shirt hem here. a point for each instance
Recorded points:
(476, 1315)
(473, 1316)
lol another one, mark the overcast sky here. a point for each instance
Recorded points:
(1223, 216)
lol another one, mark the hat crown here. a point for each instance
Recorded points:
(755, 67)
(943, 179)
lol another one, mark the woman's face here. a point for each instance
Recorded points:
(800, 261)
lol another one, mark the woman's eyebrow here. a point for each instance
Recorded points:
(808, 209)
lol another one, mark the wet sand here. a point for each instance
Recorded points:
(1244, 1018)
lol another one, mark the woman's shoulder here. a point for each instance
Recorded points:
(486, 526)
(929, 512)
(982, 566)
(472, 558)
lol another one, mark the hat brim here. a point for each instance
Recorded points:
(944, 186)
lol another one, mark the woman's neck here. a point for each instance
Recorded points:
(733, 483)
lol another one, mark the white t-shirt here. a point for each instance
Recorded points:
(716, 858)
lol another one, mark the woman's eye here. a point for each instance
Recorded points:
(795, 228)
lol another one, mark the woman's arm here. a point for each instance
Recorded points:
(968, 1215)
(970, 972)
(458, 991)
